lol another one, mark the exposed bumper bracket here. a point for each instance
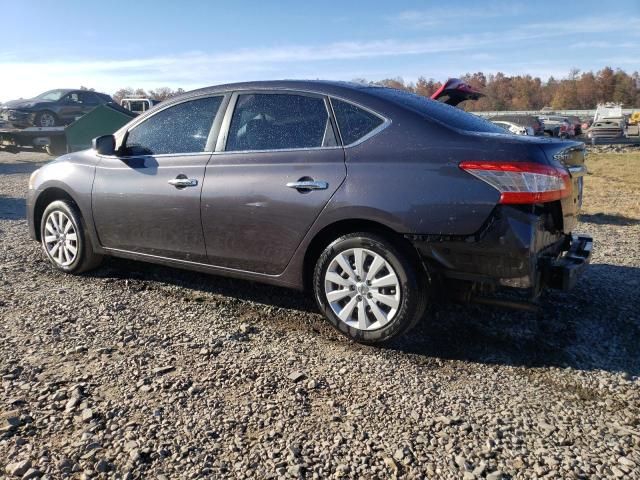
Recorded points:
(563, 272)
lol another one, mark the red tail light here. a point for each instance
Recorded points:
(522, 182)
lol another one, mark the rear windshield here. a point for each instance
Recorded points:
(441, 112)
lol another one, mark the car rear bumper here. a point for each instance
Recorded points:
(514, 249)
(563, 272)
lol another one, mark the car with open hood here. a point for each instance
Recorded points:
(375, 200)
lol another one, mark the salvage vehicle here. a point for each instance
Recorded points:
(577, 124)
(608, 122)
(556, 126)
(524, 120)
(513, 128)
(376, 200)
(138, 105)
(607, 128)
(51, 109)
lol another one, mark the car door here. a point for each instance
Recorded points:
(88, 101)
(70, 107)
(147, 200)
(277, 164)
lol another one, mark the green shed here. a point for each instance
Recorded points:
(102, 120)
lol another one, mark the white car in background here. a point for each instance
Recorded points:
(514, 128)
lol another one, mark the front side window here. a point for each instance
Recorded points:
(354, 122)
(279, 121)
(72, 98)
(183, 128)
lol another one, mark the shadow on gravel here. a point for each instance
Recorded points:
(596, 326)
(198, 282)
(19, 168)
(607, 219)
(12, 208)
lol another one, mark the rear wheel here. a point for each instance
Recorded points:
(64, 239)
(368, 288)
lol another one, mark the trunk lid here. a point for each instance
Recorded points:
(455, 91)
(569, 155)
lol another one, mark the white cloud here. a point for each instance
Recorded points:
(435, 17)
(197, 69)
(486, 51)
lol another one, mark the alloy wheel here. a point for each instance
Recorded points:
(362, 289)
(47, 120)
(61, 238)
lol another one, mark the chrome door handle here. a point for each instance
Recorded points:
(183, 182)
(308, 185)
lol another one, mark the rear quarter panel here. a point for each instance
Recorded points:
(407, 177)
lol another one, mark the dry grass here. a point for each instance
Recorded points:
(612, 188)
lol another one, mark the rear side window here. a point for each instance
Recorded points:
(354, 122)
(183, 128)
(441, 112)
(279, 121)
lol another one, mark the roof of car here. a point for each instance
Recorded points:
(312, 85)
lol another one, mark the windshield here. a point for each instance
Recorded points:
(441, 112)
(52, 95)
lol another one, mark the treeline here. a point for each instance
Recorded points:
(502, 92)
(524, 92)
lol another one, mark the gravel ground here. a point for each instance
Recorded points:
(138, 371)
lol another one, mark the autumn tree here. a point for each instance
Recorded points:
(425, 87)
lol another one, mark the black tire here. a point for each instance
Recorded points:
(43, 116)
(412, 280)
(85, 258)
(57, 146)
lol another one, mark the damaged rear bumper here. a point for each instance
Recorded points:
(515, 249)
(563, 272)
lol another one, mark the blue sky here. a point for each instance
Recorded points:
(189, 44)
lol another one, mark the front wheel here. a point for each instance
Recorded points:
(368, 288)
(64, 240)
(46, 119)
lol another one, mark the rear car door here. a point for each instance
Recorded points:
(277, 164)
(147, 200)
(88, 101)
(70, 107)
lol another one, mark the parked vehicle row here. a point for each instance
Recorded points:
(372, 198)
(520, 124)
(551, 125)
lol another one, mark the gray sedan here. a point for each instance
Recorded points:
(375, 200)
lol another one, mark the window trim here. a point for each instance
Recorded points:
(211, 137)
(385, 121)
(221, 145)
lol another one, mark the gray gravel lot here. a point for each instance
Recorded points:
(139, 371)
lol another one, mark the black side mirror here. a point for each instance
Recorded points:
(104, 145)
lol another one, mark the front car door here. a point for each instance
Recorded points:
(277, 164)
(147, 199)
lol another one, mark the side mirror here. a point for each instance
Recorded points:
(104, 145)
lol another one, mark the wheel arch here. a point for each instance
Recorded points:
(48, 195)
(334, 230)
